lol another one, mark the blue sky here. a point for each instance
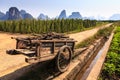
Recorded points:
(52, 8)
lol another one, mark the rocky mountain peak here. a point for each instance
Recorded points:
(62, 14)
(14, 14)
(22, 12)
(75, 15)
(25, 15)
(43, 17)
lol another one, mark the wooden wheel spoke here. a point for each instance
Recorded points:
(66, 54)
(63, 64)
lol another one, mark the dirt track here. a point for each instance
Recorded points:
(86, 34)
(10, 63)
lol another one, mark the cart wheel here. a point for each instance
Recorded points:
(63, 59)
(21, 45)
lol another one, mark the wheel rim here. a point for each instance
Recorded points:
(64, 59)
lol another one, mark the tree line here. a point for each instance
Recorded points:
(44, 26)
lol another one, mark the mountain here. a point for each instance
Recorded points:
(22, 12)
(14, 14)
(62, 15)
(75, 15)
(1, 15)
(115, 17)
(43, 17)
(6, 16)
(25, 15)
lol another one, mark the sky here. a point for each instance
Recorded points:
(52, 8)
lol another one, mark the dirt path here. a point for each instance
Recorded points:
(7, 62)
(86, 34)
(10, 63)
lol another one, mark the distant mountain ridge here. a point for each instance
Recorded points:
(15, 14)
(43, 17)
(1, 15)
(75, 15)
(115, 17)
(25, 15)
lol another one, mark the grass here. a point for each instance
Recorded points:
(101, 33)
(111, 67)
(85, 43)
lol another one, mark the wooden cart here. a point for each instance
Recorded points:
(47, 47)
